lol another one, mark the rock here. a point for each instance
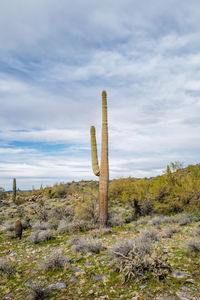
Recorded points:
(73, 279)
(28, 282)
(5, 251)
(77, 270)
(99, 277)
(87, 265)
(9, 296)
(184, 296)
(165, 250)
(57, 286)
(190, 280)
(13, 253)
(179, 274)
(185, 288)
(142, 287)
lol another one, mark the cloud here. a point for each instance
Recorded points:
(57, 57)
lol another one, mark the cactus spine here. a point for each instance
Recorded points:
(103, 171)
(14, 190)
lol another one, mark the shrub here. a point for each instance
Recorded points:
(3, 194)
(75, 226)
(26, 223)
(8, 227)
(10, 235)
(38, 291)
(193, 246)
(87, 208)
(142, 246)
(139, 266)
(170, 219)
(74, 240)
(40, 225)
(142, 221)
(61, 212)
(65, 227)
(115, 220)
(168, 232)
(148, 236)
(156, 220)
(197, 231)
(105, 231)
(6, 267)
(55, 261)
(81, 225)
(184, 220)
(53, 224)
(40, 236)
(86, 245)
(122, 248)
(60, 190)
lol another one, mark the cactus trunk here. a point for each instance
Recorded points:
(103, 172)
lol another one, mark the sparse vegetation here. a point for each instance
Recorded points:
(6, 267)
(55, 261)
(86, 245)
(193, 246)
(40, 236)
(140, 249)
(139, 266)
(38, 291)
(169, 231)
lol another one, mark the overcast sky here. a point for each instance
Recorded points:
(56, 57)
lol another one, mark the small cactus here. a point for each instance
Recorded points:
(18, 229)
(103, 171)
(14, 190)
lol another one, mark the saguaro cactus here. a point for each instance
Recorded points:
(14, 190)
(103, 171)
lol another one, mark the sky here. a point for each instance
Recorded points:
(56, 57)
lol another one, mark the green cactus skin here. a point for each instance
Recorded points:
(14, 190)
(103, 171)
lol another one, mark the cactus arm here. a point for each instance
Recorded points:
(95, 164)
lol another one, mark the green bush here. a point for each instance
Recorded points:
(3, 194)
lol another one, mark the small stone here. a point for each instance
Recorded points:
(184, 296)
(142, 287)
(179, 274)
(165, 250)
(185, 288)
(99, 277)
(28, 282)
(190, 280)
(87, 265)
(73, 279)
(13, 253)
(77, 270)
(57, 286)
(5, 251)
(9, 296)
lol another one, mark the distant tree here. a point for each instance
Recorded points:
(2, 193)
(174, 166)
